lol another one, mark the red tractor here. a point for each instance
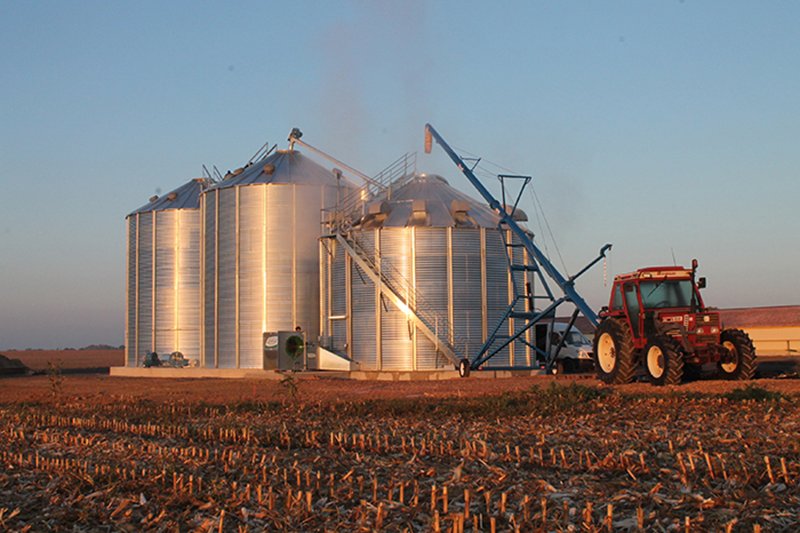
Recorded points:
(656, 320)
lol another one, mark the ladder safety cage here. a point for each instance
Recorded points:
(540, 265)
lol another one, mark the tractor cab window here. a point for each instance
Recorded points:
(632, 300)
(659, 294)
(616, 304)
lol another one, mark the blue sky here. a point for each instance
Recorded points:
(660, 127)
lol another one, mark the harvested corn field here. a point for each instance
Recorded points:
(552, 457)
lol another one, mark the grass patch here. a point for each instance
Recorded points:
(755, 393)
(537, 400)
(566, 398)
(255, 406)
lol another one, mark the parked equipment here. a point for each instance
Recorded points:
(656, 320)
(285, 350)
(576, 350)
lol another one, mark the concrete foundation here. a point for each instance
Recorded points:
(239, 373)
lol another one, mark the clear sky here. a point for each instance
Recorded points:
(660, 127)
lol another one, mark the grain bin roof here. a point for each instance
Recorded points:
(187, 196)
(428, 200)
(282, 166)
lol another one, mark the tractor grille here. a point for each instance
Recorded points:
(707, 337)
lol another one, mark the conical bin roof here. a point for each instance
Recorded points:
(281, 166)
(428, 200)
(187, 196)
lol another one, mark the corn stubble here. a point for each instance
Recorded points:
(604, 463)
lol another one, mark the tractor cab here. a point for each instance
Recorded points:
(663, 301)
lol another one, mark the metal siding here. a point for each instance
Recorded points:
(363, 309)
(324, 246)
(209, 266)
(280, 245)
(467, 291)
(338, 299)
(308, 204)
(431, 290)
(130, 340)
(276, 263)
(188, 341)
(227, 279)
(145, 289)
(166, 229)
(251, 276)
(496, 291)
(395, 335)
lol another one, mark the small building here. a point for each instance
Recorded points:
(774, 330)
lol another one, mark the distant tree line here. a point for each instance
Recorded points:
(89, 347)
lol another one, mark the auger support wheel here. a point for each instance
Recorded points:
(464, 368)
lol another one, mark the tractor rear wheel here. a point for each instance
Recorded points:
(741, 363)
(613, 352)
(663, 361)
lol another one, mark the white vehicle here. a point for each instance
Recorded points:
(575, 353)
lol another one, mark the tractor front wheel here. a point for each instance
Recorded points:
(613, 352)
(740, 360)
(663, 361)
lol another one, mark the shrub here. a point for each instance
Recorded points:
(752, 392)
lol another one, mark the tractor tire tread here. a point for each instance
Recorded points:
(746, 369)
(625, 370)
(675, 370)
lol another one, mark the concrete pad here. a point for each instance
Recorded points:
(361, 375)
(218, 373)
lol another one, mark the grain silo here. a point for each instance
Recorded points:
(419, 282)
(261, 227)
(163, 275)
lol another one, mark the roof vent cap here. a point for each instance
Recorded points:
(376, 208)
(459, 206)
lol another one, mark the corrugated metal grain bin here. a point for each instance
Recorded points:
(163, 275)
(261, 227)
(442, 252)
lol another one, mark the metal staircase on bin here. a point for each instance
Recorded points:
(393, 285)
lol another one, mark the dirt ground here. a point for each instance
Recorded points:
(94, 452)
(68, 359)
(103, 389)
